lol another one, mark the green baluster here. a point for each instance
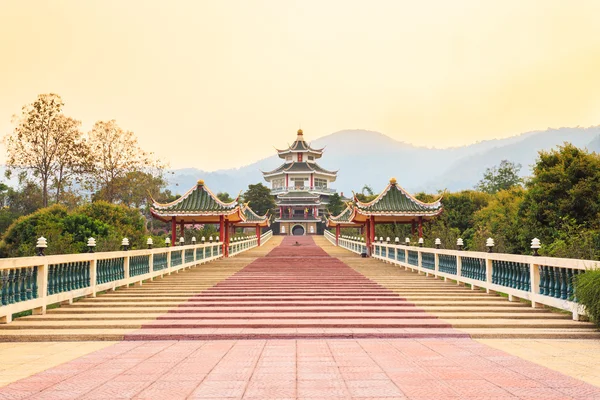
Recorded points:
(569, 283)
(29, 275)
(543, 280)
(563, 283)
(11, 290)
(22, 296)
(35, 285)
(551, 281)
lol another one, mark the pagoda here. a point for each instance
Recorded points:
(392, 205)
(301, 188)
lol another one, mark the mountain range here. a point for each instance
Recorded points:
(371, 158)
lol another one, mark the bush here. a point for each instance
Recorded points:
(587, 292)
(68, 231)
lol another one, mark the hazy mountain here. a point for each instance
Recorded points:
(366, 157)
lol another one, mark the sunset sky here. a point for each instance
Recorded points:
(216, 84)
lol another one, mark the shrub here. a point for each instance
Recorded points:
(587, 292)
(67, 231)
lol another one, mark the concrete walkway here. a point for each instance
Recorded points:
(292, 320)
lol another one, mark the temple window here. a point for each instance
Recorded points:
(320, 183)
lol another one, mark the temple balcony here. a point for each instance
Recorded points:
(318, 189)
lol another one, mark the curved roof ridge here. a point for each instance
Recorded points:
(247, 207)
(175, 202)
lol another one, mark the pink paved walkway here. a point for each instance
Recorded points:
(297, 291)
(436, 367)
(301, 369)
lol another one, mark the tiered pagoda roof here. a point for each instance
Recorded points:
(300, 145)
(393, 204)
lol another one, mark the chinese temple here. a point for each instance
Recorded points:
(392, 205)
(301, 188)
(200, 205)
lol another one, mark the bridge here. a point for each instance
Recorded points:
(296, 317)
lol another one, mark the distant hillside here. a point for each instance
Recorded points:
(366, 157)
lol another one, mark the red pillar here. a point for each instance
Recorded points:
(258, 234)
(368, 235)
(287, 181)
(337, 235)
(226, 240)
(420, 227)
(173, 231)
(312, 180)
(221, 228)
(372, 229)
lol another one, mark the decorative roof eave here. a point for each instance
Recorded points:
(290, 150)
(399, 214)
(212, 217)
(346, 217)
(160, 206)
(262, 221)
(393, 184)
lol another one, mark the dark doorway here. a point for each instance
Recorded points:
(298, 230)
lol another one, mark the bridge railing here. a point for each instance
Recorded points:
(264, 238)
(541, 280)
(352, 244)
(33, 283)
(329, 236)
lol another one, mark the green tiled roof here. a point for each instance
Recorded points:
(199, 199)
(251, 216)
(344, 215)
(396, 200)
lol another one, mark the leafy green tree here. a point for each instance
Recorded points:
(336, 205)
(260, 199)
(501, 177)
(224, 197)
(500, 220)
(563, 196)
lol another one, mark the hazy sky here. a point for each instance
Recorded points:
(213, 84)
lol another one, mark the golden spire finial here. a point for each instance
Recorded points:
(393, 181)
(200, 182)
(299, 131)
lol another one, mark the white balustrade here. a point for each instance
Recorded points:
(541, 280)
(33, 283)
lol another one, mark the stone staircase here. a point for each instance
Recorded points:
(293, 288)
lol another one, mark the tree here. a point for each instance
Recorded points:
(336, 205)
(133, 189)
(73, 157)
(43, 143)
(260, 198)
(116, 154)
(224, 197)
(502, 177)
(563, 194)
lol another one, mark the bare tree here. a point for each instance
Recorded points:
(42, 143)
(116, 154)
